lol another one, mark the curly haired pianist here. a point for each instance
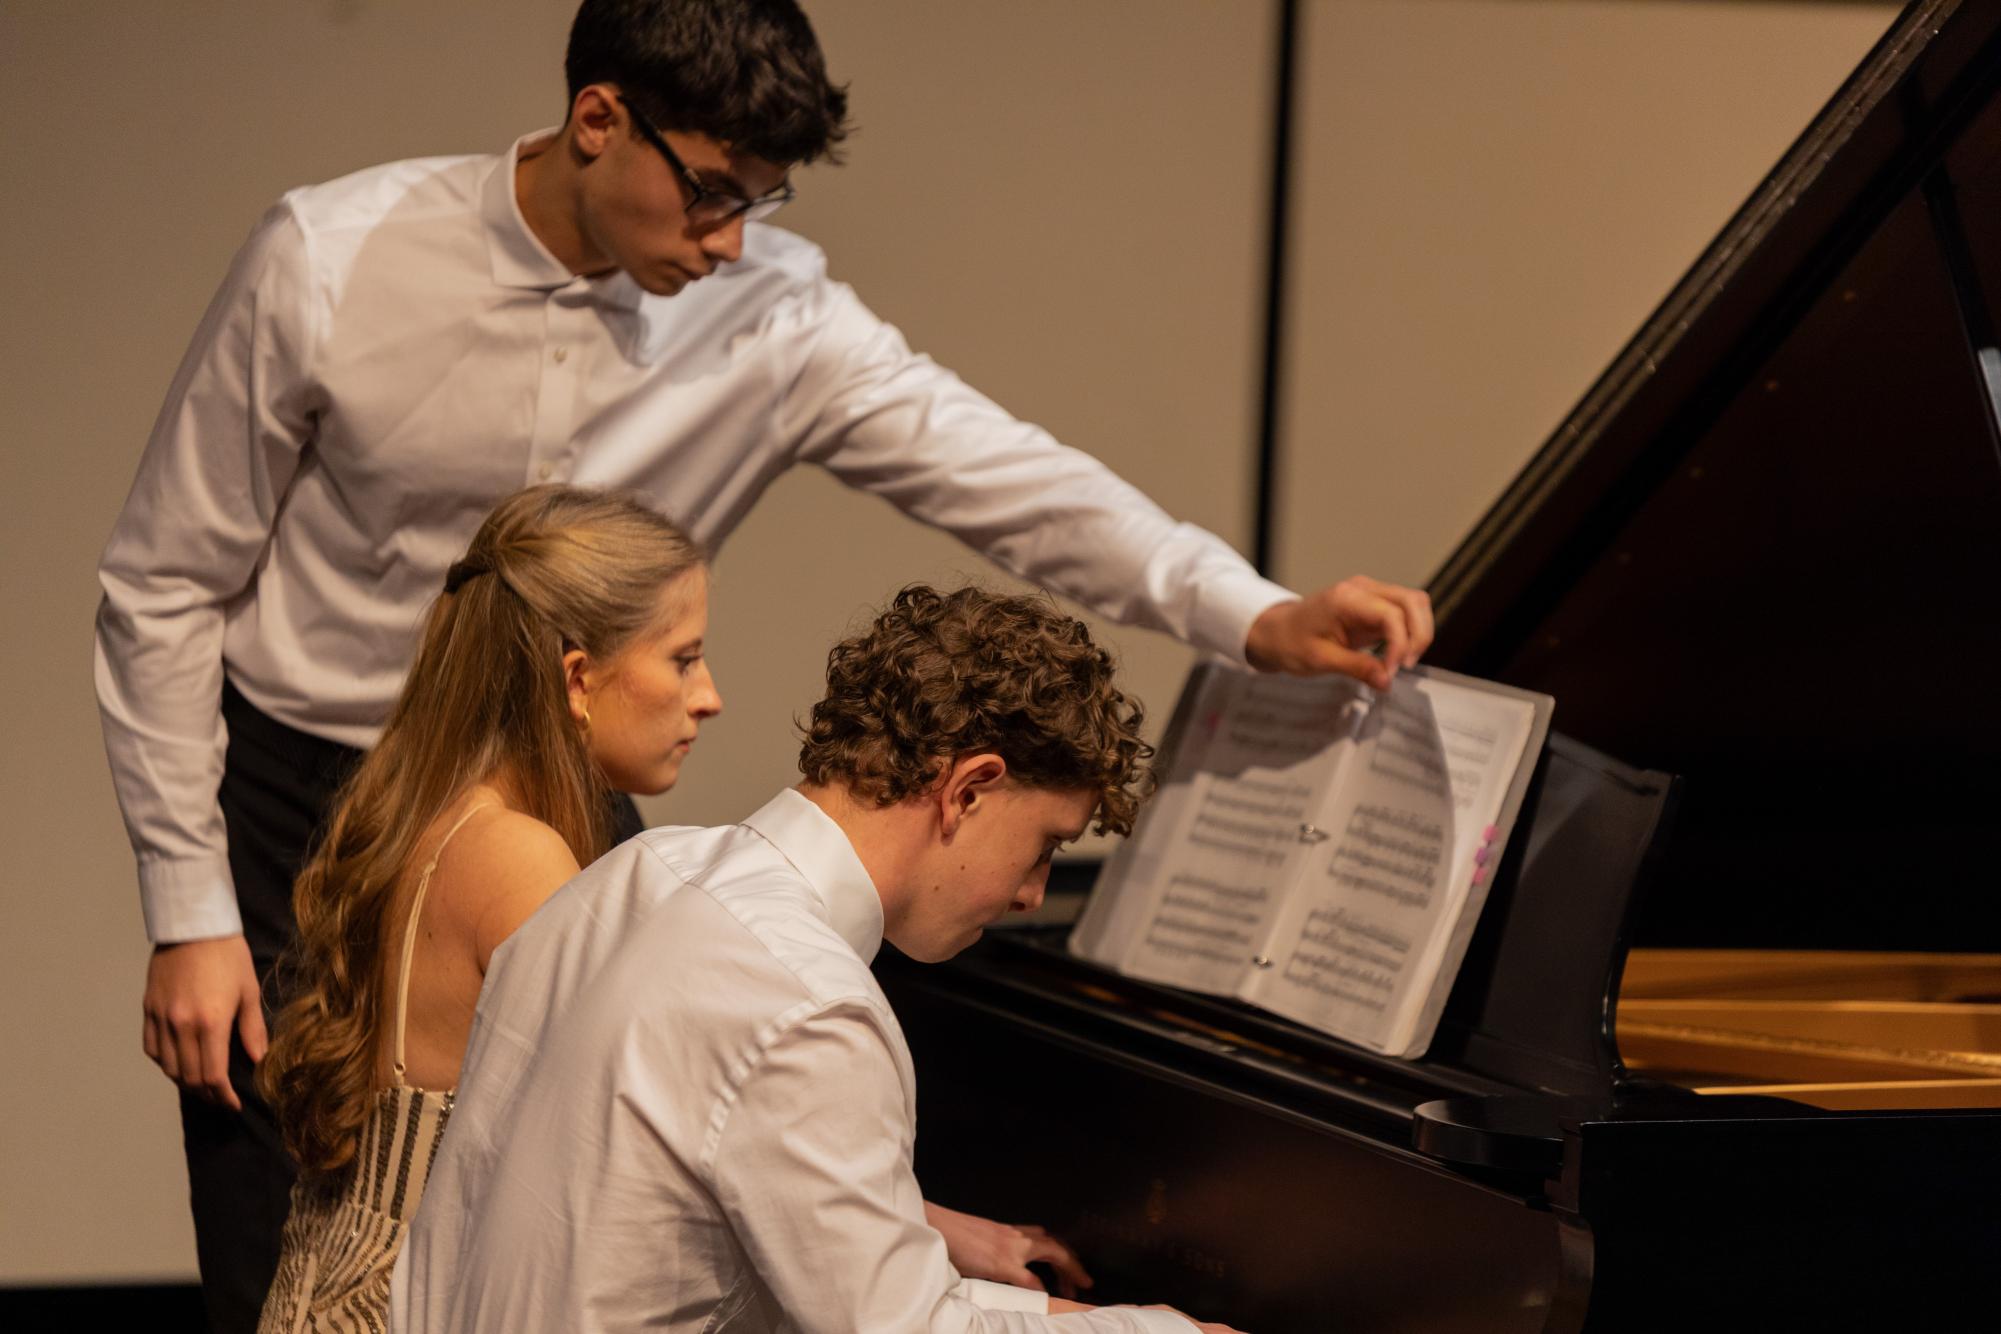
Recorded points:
(686, 1104)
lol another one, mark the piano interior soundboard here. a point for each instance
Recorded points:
(1842, 1030)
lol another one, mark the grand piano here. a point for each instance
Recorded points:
(1726, 1050)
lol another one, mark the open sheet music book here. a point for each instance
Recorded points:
(1320, 848)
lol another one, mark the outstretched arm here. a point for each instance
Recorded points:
(892, 422)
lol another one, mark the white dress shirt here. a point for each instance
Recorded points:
(395, 351)
(686, 1105)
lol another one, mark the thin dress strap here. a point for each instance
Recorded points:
(410, 934)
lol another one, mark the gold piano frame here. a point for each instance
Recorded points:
(1840, 1030)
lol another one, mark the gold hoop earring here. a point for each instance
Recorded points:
(587, 718)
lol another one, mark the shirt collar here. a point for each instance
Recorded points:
(808, 838)
(518, 256)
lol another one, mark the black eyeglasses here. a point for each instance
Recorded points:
(708, 206)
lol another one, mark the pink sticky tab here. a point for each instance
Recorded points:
(1479, 875)
(1481, 856)
(1488, 834)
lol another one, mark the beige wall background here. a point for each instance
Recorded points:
(1492, 197)
(1062, 200)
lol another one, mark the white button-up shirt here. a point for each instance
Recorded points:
(686, 1105)
(395, 351)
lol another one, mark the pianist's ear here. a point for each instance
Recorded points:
(966, 784)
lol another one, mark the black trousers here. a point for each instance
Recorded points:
(278, 784)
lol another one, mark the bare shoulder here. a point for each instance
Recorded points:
(498, 845)
(497, 870)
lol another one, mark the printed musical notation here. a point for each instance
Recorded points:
(1391, 853)
(1321, 851)
(1204, 918)
(1407, 751)
(1349, 959)
(1274, 722)
(1468, 756)
(1253, 818)
(1436, 756)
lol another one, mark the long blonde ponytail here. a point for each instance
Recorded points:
(552, 568)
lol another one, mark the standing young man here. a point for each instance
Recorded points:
(394, 351)
(686, 1104)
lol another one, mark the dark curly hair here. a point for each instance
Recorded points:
(940, 675)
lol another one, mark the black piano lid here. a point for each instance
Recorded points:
(1764, 551)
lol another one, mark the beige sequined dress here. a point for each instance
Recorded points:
(345, 1231)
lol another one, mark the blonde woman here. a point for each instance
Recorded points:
(562, 662)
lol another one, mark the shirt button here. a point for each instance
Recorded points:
(562, 354)
(546, 471)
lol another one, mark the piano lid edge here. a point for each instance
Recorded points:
(1659, 370)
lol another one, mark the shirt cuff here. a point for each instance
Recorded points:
(1003, 1296)
(192, 899)
(1225, 606)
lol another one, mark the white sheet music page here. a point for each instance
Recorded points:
(1390, 896)
(1193, 900)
